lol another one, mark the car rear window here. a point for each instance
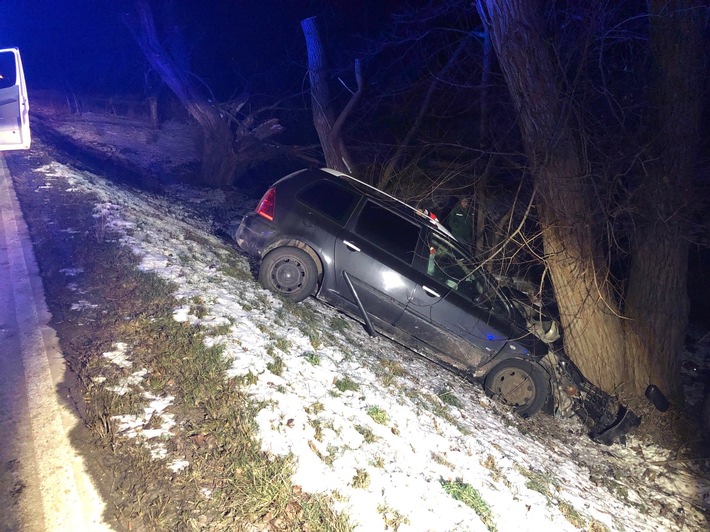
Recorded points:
(330, 199)
(388, 231)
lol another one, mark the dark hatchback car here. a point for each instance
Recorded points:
(320, 232)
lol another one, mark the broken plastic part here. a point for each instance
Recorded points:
(625, 421)
(656, 396)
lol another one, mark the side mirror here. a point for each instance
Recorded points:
(14, 104)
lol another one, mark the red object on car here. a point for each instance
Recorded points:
(267, 204)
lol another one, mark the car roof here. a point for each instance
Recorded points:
(399, 205)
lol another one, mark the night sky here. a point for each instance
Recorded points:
(256, 48)
(235, 46)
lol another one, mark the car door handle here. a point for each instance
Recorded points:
(430, 292)
(350, 245)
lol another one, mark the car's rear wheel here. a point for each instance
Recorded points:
(290, 272)
(519, 383)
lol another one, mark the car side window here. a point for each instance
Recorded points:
(330, 199)
(461, 273)
(451, 267)
(388, 231)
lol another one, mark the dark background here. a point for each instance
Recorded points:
(256, 48)
(248, 45)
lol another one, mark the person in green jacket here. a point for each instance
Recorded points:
(461, 221)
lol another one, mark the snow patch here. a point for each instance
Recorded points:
(119, 355)
(391, 466)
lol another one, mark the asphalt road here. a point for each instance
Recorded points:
(44, 485)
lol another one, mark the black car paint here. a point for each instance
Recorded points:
(397, 295)
(383, 282)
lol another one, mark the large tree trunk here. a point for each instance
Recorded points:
(328, 128)
(218, 161)
(657, 299)
(593, 334)
(613, 350)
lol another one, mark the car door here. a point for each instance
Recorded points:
(375, 252)
(317, 217)
(453, 307)
(14, 104)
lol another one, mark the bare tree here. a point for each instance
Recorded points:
(328, 127)
(389, 169)
(632, 340)
(218, 161)
(656, 303)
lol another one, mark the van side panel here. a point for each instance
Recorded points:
(14, 103)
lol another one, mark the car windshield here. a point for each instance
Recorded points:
(460, 272)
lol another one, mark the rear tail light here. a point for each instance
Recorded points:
(266, 205)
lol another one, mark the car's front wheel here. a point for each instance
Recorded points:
(519, 383)
(290, 272)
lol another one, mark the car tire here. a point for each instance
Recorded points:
(290, 272)
(519, 383)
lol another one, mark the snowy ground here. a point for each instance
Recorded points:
(386, 448)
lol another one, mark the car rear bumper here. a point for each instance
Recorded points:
(253, 234)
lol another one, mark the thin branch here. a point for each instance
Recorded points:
(335, 131)
(389, 169)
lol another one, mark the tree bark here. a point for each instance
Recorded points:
(589, 318)
(218, 161)
(328, 128)
(657, 298)
(641, 346)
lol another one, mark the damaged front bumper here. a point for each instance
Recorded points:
(606, 418)
(624, 423)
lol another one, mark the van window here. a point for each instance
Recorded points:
(388, 231)
(330, 199)
(7, 70)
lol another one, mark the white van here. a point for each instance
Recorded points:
(14, 105)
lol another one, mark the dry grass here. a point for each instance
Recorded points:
(229, 483)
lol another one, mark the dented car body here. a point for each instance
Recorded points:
(396, 269)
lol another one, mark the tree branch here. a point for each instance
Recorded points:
(335, 131)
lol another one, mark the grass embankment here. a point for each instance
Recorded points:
(229, 483)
